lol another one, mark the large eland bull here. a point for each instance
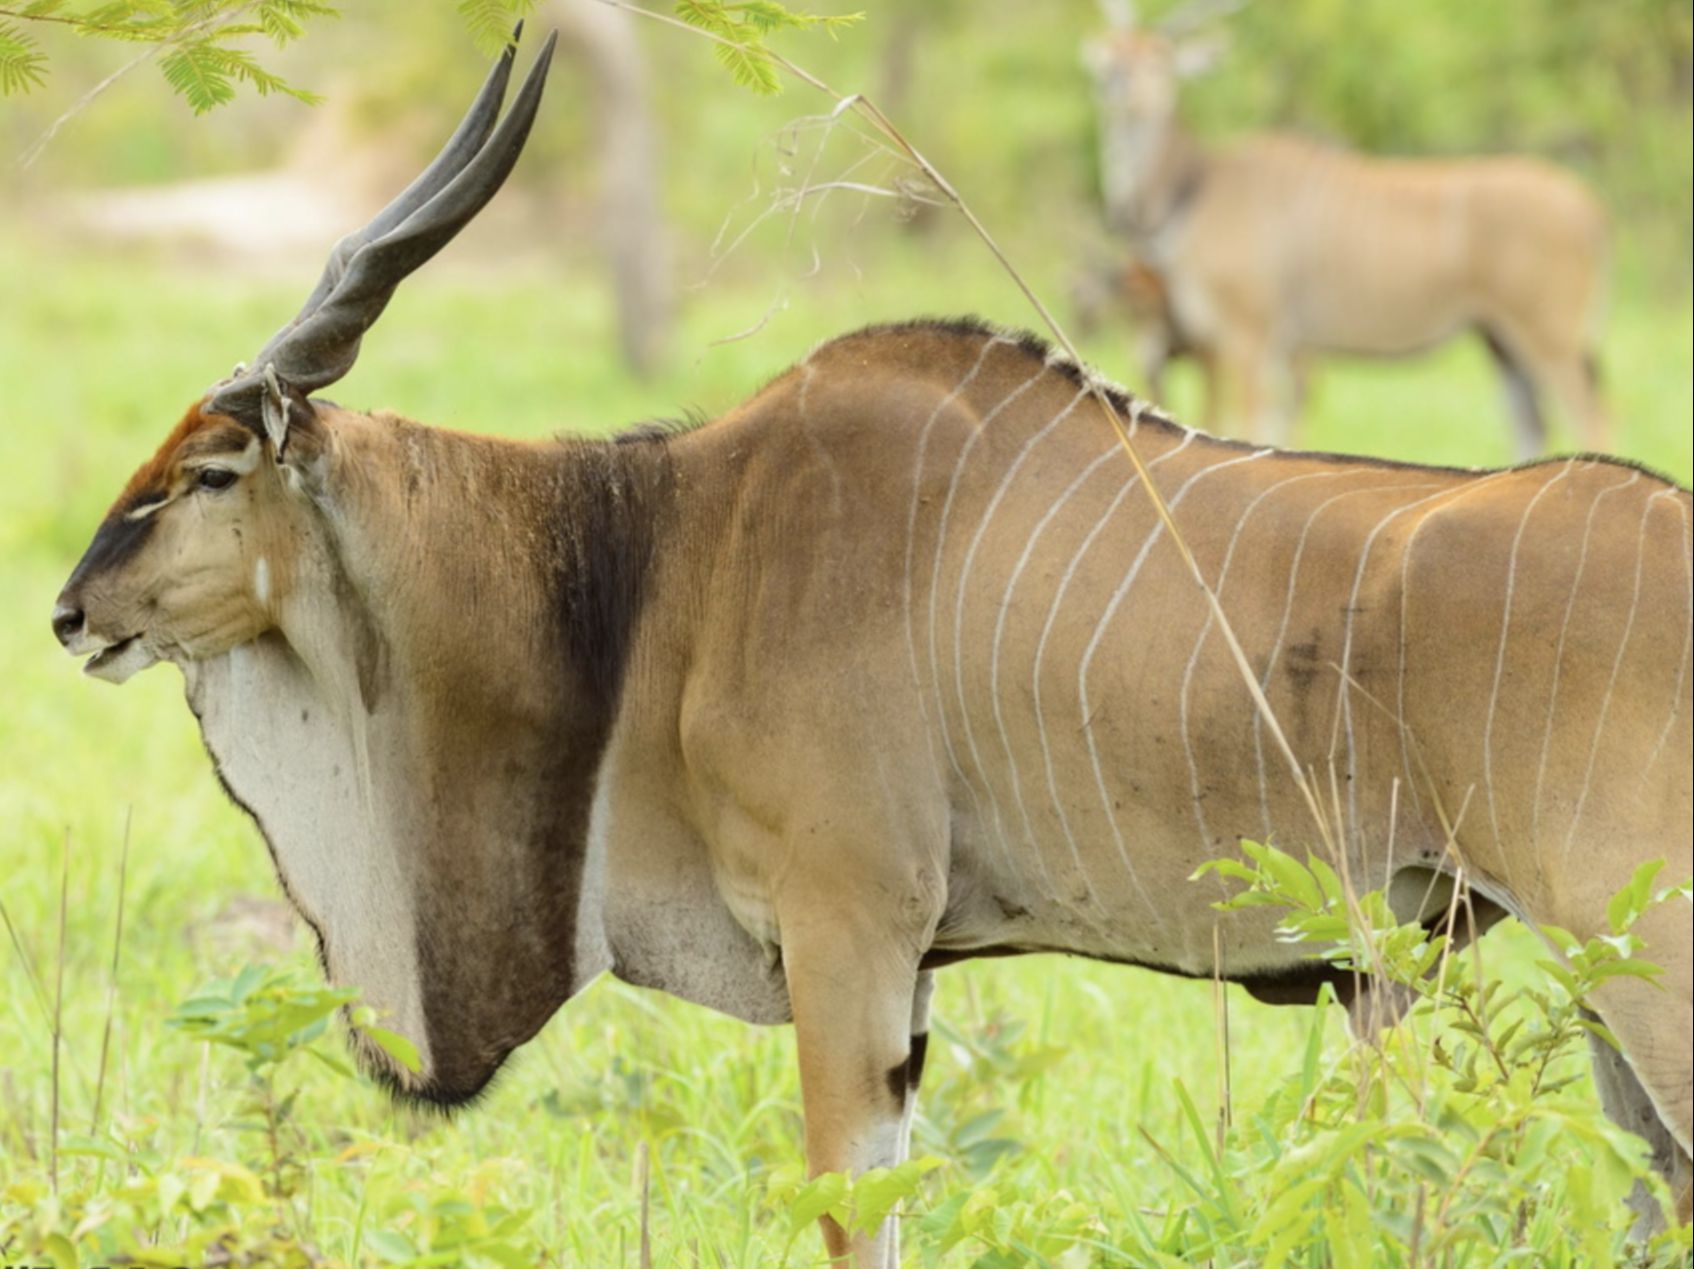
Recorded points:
(889, 667)
(1273, 248)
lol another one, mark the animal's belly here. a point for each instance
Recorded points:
(1374, 298)
(1378, 327)
(1081, 894)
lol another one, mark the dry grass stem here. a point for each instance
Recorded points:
(644, 1183)
(59, 1010)
(112, 981)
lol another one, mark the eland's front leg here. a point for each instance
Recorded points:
(854, 985)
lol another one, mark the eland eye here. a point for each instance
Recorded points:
(214, 478)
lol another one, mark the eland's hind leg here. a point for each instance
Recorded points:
(1653, 1022)
(1629, 1106)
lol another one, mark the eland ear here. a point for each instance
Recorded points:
(278, 412)
(277, 403)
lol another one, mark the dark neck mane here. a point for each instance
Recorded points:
(613, 504)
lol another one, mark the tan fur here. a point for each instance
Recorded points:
(1272, 247)
(911, 674)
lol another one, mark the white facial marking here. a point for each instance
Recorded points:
(245, 461)
(262, 582)
(147, 508)
(241, 464)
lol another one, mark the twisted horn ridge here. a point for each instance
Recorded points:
(320, 345)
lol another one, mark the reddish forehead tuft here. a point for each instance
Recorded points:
(152, 478)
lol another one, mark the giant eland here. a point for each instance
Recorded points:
(888, 667)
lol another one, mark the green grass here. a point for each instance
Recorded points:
(98, 356)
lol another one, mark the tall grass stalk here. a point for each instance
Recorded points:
(112, 980)
(59, 1010)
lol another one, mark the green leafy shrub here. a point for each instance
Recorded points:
(134, 1205)
(1456, 1140)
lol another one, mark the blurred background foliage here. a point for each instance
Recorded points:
(655, 185)
(989, 89)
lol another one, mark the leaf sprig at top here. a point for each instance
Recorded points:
(197, 43)
(744, 27)
(22, 64)
(490, 22)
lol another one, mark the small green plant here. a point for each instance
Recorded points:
(270, 1015)
(1007, 1229)
(455, 1220)
(136, 1203)
(858, 1202)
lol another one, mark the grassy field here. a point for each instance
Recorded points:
(1048, 1077)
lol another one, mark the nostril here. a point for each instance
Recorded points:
(67, 622)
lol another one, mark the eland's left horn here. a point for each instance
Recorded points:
(320, 345)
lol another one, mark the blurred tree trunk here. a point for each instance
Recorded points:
(631, 224)
(899, 69)
(899, 57)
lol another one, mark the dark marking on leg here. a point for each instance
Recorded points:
(903, 1077)
(897, 1080)
(914, 1061)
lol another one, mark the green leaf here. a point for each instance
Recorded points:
(198, 75)
(22, 64)
(1631, 968)
(874, 1193)
(490, 22)
(1597, 1028)
(766, 16)
(745, 24)
(1630, 902)
(393, 1247)
(751, 67)
(60, 1251)
(396, 1046)
(816, 1198)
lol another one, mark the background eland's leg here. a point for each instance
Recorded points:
(1529, 428)
(1575, 380)
(1284, 394)
(1240, 387)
